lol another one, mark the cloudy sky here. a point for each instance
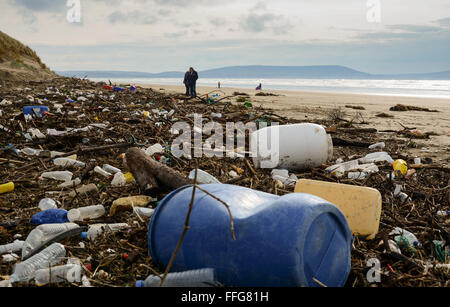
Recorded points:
(167, 35)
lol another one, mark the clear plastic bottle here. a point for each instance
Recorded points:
(43, 233)
(30, 151)
(143, 212)
(358, 175)
(66, 162)
(111, 169)
(14, 247)
(203, 177)
(47, 203)
(85, 189)
(410, 237)
(102, 172)
(25, 270)
(57, 274)
(196, 278)
(377, 157)
(70, 184)
(83, 213)
(60, 176)
(96, 230)
(5, 284)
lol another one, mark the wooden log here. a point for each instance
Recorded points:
(150, 174)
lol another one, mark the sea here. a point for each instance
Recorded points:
(406, 88)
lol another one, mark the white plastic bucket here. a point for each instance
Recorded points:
(293, 147)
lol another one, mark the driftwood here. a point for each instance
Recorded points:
(149, 174)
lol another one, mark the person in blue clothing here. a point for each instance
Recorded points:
(190, 81)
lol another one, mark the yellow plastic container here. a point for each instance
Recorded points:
(129, 177)
(400, 166)
(7, 187)
(360, 205)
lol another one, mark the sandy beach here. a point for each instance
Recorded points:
(315, 106)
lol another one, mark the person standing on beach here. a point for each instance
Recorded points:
(190, 80)
(218, 84)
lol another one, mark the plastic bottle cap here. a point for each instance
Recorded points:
(139, 284)
(84, 235)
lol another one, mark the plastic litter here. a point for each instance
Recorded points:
(44, 233)
(84, 213)
(96, 230)
(281, 230)
(404, 234)
(14, 247)
(111, 169)
(58, 175)
(203, 177)
(400, 167)
(378, 146)
(65, 162)
(50, 216)
(7, 187)
(47, 203)
(196, 278)
(50, 256)
(119, 180)
(58, 274)
(102, 172)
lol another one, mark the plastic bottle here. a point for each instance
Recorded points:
(380, 145)
(66, 162)
(111, 169)
(83, 213)
(203, 177)
(5, 284)
(293, 147)
(70, 184)
(43, 233)
(358, 175)
(196, 278)
(30, 151)
(119, 180)
(102, 172)
(410, 237)
(60, 176)
(47, 203)
(14, 247)
(343, 167)
(7, 187)
(25, 270)
(157, 148)
(377, 157)
(96, 230)
(57, 274)
(85, 189)
(143, 212)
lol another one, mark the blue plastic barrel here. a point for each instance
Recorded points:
(29, 110)
(281, 241)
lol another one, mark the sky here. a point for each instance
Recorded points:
(374, 36)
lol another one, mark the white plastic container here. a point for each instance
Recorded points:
(60, 176)
(14, 247)
(66, 162)
(57, 274)
(47, 203)
(111, 169)
(43, 233)
(102, 172)
(96, 230)
(25, 270)
(293, 147)
(203, 177)
(83, 213)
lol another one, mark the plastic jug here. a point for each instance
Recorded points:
(293, 147)
(280, 241)
(360, 205)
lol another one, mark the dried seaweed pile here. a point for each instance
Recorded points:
(107, 123)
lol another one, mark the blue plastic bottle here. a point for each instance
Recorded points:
(281, 241)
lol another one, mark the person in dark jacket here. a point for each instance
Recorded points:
(190, 81)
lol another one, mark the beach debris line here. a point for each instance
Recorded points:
(99, 125)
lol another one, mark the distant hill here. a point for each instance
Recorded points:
(264, 72)
(18, 61)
